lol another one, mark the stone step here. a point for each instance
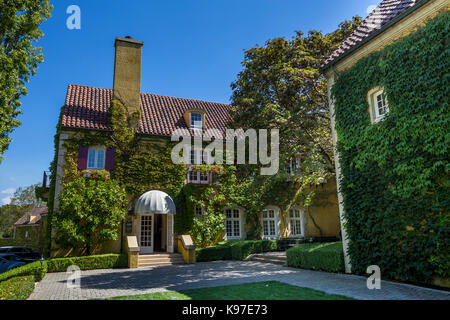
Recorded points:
(160, 259)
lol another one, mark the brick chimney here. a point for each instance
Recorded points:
(127, 72)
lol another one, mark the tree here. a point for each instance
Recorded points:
(91, 210)
(22, 201)
(26, 197)
(281, 87)
(19, 58)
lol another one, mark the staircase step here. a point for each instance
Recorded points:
(160, 259)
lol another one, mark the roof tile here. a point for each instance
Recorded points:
(385, 12)
(87, 108)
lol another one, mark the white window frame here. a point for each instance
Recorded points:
(197, 177)
(196, 124)
(233, 219)
(300, 218)
(96, 150)
(276, 220)
(372, 98)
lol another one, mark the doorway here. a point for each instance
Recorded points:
(158, 233)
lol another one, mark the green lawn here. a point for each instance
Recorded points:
(270, 290)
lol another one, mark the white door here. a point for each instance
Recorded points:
(146, 234)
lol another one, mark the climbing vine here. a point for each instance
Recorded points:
(395, 173)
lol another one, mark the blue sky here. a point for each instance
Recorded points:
(192, 49)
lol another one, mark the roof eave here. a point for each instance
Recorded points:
(374, 34)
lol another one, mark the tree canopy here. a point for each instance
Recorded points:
(281, 87)
(19, 57)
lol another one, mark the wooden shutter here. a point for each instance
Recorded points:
(109, 162)
(82, 157)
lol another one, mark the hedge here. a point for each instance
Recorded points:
(17, 288)
(104, 261)
(213, 253)
(317, 256)
(36, 269)
(235, 249)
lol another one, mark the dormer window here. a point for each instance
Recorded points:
(196, 120)
(379, 106)
(96, 158)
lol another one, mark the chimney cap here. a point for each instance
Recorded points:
(128, 39)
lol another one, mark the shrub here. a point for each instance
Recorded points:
(105, 261)
(35, 269)
(242, 249)
(218, 252)
(269, 245)
(317, 256)
(17, 288)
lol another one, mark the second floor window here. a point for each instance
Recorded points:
(378, 104)
(196, 120)
(96, 159)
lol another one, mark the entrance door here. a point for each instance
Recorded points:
(146, 234)
(158, 233)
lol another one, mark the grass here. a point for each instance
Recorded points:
(269, 290)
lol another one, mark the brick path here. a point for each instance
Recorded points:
(120, 282)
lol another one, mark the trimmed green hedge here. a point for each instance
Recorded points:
(213, 253)
(35, 269)
(104, 261)
(17, 288)
(235, 249)
(317, 256)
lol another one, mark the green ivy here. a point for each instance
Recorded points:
(395, 172)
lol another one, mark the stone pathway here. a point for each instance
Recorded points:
(120, 282)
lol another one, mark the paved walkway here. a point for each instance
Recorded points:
(120, 282)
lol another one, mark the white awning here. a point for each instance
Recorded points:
(156, 202)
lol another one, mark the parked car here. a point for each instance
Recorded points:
(13, 257)
(21, 252)
(9, 261)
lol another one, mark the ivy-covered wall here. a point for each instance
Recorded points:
(395, 173)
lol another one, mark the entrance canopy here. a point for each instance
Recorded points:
(155, 202)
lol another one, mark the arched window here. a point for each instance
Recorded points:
(270, 222)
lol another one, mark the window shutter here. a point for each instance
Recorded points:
(109, 163)
(82, 157)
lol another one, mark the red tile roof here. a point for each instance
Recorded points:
(87, 108)
(36, 212)
(384, 13)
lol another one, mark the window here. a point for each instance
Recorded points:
(269, 221)
(196, 120)
(233, 223)
(379, 106)
(195, 176)
(295, 222)
(292, 168)
(96, 159)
